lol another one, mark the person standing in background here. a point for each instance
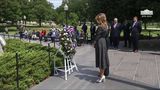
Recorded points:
(92, 31)
(84, 28)
(6, 30)
(53, 34)
(126, 34)
(135, 33)
(115, 33)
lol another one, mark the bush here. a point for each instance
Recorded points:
(33, 64)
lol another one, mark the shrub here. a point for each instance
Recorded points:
(33, 64)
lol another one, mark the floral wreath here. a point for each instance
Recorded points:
(66, 43)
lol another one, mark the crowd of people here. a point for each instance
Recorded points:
(129, 29)
(39, 34)
(131, 33)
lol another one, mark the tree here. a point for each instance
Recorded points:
(73, 19)
(15, 10)
(42, 10)
(122, 9)
(10, 10)
(79, 7)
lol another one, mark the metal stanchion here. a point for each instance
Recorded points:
(49, 53)
(17, 71)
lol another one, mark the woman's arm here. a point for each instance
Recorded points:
(98, 34)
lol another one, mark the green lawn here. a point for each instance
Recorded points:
(13, 29)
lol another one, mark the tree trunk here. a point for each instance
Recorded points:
(40, 22)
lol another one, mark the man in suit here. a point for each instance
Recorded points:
(136, 29)
(115, 33)
(92, 31)
(84, 28)
(126, 32)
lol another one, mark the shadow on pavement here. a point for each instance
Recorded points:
(131, 82)
(87, 73)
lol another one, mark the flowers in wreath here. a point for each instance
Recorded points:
(66, 43)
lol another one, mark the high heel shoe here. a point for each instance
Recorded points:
(102, 79)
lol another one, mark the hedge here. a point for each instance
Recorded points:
(33, 64)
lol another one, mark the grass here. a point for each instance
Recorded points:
(153, 34)
(13, 29)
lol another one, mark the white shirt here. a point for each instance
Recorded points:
(134, 24)
(115, 25)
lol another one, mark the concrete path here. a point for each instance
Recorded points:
(128, 71)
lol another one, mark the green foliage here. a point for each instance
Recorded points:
(43, 10)
(73, 19)
(123, 9)
(76, 7)
(33, 64)
(10, 10)
(14, 10)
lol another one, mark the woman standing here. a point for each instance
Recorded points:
(101, 45)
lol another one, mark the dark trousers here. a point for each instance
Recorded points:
(115, 42)
(40, 38)
(53, 39)
(127, 42)
(21, 35)
(135, 42)
(92, 37)
(111, 41)
(85, 38)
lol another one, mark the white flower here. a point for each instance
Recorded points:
(66, 33)
(62, 38)
(68, 39)
(65, 43)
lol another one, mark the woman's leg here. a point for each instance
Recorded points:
(102, 77)
(101, 72)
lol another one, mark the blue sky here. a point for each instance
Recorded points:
(56, 3)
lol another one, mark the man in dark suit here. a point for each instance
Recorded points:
(126, 32)
(136, 29)
(92, 31)
(115, 33)
(84, 28)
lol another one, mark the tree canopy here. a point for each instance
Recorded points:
(37, 10)
(79, 10)
(122, 9)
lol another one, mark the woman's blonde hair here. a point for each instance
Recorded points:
(102, 20)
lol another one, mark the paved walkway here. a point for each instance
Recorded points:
(128, 71)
